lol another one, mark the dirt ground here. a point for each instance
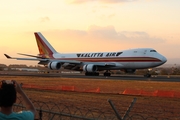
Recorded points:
(156, 107)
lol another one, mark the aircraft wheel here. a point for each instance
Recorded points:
(86, 74)
(92, 74)
(147, 75)
(97, 74)
(107, 74)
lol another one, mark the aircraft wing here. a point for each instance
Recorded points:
(69, 64)
(35, 59)
(43, 59)
(30, 55)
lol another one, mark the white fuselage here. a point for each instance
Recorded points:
(128, 59)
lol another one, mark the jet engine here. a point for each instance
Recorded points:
(54, 65)
(90, 68)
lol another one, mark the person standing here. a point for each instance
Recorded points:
(8, 95)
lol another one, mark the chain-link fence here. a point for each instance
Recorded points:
(124, 111)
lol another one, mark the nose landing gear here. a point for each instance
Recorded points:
(148, 74)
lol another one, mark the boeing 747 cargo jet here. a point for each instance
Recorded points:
(93, 62)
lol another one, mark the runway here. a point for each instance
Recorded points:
(128, 77)
(160, 78)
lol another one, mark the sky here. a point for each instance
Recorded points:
(89, 26)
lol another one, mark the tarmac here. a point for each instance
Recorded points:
(160, 78)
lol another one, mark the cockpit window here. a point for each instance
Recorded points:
(152, 50)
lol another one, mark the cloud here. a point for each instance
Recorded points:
(108, 34)
(102, 33)
(139, 36)
(44, 19)
(101, 1)
(111, 16)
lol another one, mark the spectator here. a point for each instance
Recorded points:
(8, 95)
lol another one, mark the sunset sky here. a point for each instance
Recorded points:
(89, 26)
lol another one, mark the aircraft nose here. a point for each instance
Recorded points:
(163, 59)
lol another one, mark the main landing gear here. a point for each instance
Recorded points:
(147, 75)
(107, 73)
(92, 74)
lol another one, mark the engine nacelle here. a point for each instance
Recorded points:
(90, 68)
(129, 70)
(54, 65)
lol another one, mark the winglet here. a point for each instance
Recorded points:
(7, 56)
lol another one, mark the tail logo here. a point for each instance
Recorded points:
(45, 49)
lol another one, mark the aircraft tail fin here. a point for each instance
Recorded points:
(44, 46)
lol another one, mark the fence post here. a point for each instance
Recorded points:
(40, 114)
(113, 107)
(128, 110)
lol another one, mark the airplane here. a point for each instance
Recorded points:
(94, 62)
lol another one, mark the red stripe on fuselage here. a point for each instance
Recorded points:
(117, 59)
